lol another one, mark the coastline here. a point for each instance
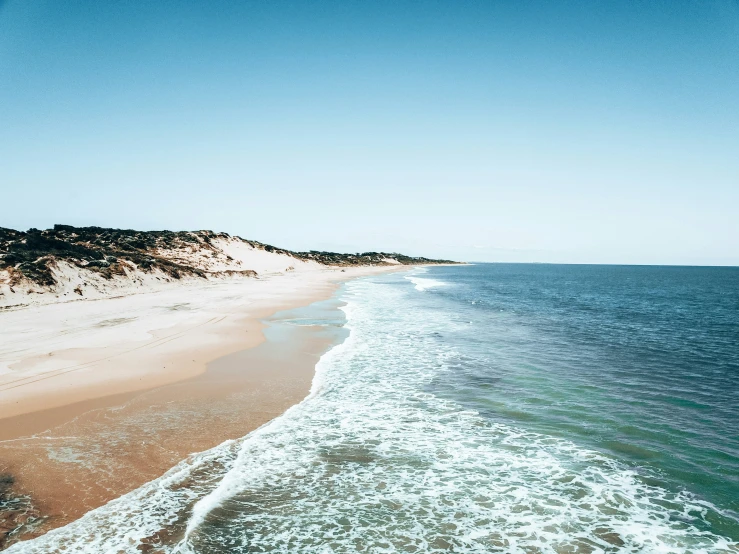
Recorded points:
(125, 409)
(415, 409)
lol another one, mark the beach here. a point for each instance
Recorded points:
(100, 396)
(473, 409)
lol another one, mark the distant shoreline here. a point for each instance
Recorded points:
(69, 263)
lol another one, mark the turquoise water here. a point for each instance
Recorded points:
(491, 408)
(641, 363)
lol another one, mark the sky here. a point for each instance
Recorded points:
(523, 131)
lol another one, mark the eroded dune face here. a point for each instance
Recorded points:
(69, 263)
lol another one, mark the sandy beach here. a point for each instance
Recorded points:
(100, 396)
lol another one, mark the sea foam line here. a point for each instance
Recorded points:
(232, 480)
(424, 283)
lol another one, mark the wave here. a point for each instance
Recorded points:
(424, 283)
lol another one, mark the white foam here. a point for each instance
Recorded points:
(424, 283)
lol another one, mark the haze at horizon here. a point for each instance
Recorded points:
(492, 131)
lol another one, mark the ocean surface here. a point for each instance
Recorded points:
(487, 408)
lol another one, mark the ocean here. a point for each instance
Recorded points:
(483, 408)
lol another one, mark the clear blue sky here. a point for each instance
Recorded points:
(568, 131)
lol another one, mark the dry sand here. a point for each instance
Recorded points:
(99, 397)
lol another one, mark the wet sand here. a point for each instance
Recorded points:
(100, 449)
(62, 356)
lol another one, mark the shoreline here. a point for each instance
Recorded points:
(101, 446)
(103, 347)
